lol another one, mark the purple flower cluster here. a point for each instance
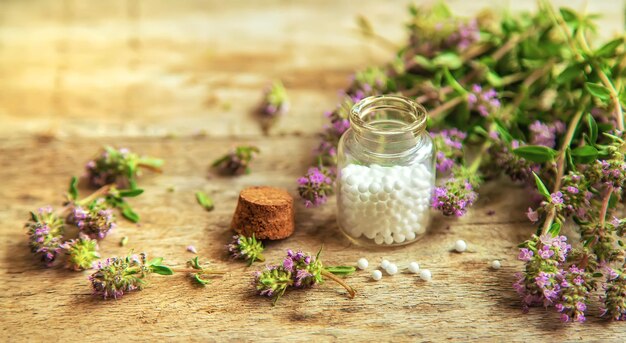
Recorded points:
(272, 282)
(298, 270)
(454, 197)
(275, 100)
(305, 269)
(483, 101)
(110, 165)
(614, 297)
(236, 162)
(449, 144)
(95, 220)
(517, 168)
(465, 35)
(576, 286)
(545, 134)
(246, 248)
(116, 276)
(612, 172)
(316, 186)
(543, 279)
(45, 231)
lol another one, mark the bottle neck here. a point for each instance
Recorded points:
(388, 125)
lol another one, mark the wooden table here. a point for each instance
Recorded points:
(179, 80)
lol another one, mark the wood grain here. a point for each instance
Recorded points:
(178, 80)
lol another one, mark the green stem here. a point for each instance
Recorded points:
(560, 162)
(605, 205)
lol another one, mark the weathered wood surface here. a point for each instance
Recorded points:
(75, 75)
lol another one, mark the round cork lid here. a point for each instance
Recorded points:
(266, 196)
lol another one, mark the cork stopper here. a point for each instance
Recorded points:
(266, 212)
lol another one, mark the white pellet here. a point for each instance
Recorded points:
(391, 269)
(460, 245)
(374, 188)
(495, 264)
(377, 275)
(362, 263)
(414, 267)
(384, 264)
(425, 275)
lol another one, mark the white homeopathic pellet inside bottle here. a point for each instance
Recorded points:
(386, 172)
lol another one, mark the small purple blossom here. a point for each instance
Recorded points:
(465, 35)
(557, 198)
(275, 100)
(95, 220)
(192, 249)
(454, 197)
(545, 134)
(45, 233)
(482, 101)
(316, 186)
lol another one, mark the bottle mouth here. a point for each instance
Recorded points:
(388, 115)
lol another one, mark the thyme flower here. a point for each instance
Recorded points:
(614, 297)
(246, 248)
(82, 252)
(118, 166)
(298, 270)
(449, 144)
(576, 287)
(485, 102)
(236, 162)
(45, 231)
(454, 197)
(119, 275)
(316, 186)
(275, 100)
(95, 220)
(541, 282)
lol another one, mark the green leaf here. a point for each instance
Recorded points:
(609, 48)
(441, 11)
(73, 190)
(588, 241)
(569, 74)
(341, 270)
(423, 62)
(598, 91)
(504, 134)
(494, 79)
(569, 15)
(129, 193)
(585, 154)
(34, 217)
(597, 274)
(448, 60)
(200, 280)
(194, 263)
(569, 159)
(593, 128)
(124, 241)
(536, 153)
(161, 270)
(541, 187)
(612, 200)
(204, 201)
(156, 262)
(453, 82)
(129, 214)
(555, 229)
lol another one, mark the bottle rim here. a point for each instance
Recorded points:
(416, 123)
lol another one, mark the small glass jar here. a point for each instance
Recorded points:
(386, 172)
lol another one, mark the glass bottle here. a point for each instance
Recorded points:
(386, 172)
